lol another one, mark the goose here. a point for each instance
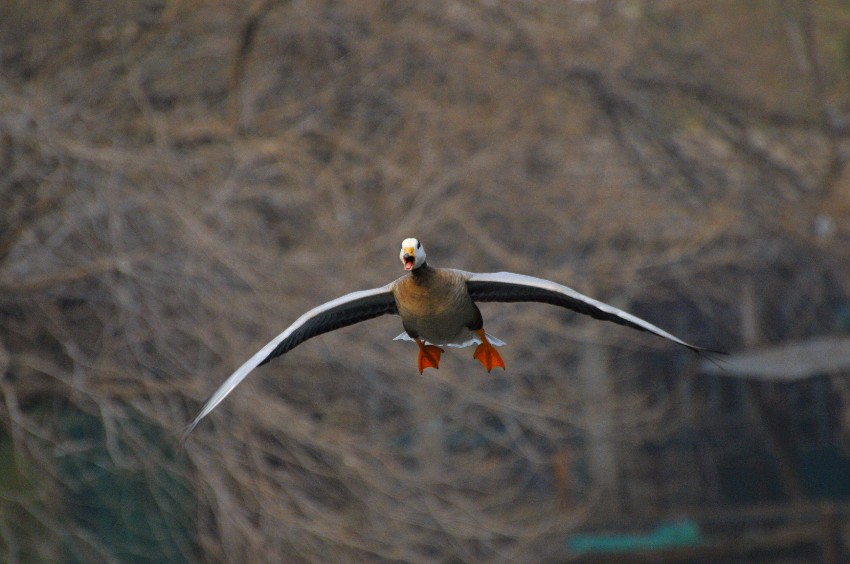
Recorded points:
(438, 308)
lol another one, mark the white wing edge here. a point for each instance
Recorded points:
(525, 280)
(242, 372)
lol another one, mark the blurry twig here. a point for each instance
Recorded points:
(256, 12)
(104, 264)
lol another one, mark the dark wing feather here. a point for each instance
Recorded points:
(345, 314)
(341, 312)
(510, 287)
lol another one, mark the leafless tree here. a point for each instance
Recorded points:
(181, 179)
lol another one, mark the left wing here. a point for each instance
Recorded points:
(510, 287)
(349, 309)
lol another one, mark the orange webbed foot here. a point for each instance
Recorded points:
(429, 356)
(487, 353)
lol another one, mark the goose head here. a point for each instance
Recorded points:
(412, 254)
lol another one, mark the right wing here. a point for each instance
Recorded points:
(335, 314)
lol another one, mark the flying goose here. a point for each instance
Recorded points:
(437, 308)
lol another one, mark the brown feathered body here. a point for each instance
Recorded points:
(434, 305)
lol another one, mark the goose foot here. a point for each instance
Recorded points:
(487, 353)
(429, 356)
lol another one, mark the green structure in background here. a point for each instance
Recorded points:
(669, 535)
(118, 494)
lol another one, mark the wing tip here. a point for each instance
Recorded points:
(710, 356)
(706, 351)
(187, 430)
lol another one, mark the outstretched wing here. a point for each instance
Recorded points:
(341, 312)
(510, 287)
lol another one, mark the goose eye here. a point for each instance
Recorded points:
(418, 244)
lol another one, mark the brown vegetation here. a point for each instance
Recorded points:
(181, 179)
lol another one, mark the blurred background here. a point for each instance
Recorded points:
(181, 179)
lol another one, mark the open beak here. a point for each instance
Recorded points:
(409, 258)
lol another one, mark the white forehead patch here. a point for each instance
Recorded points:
(410, 242)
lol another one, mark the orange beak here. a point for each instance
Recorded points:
(409, 257)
